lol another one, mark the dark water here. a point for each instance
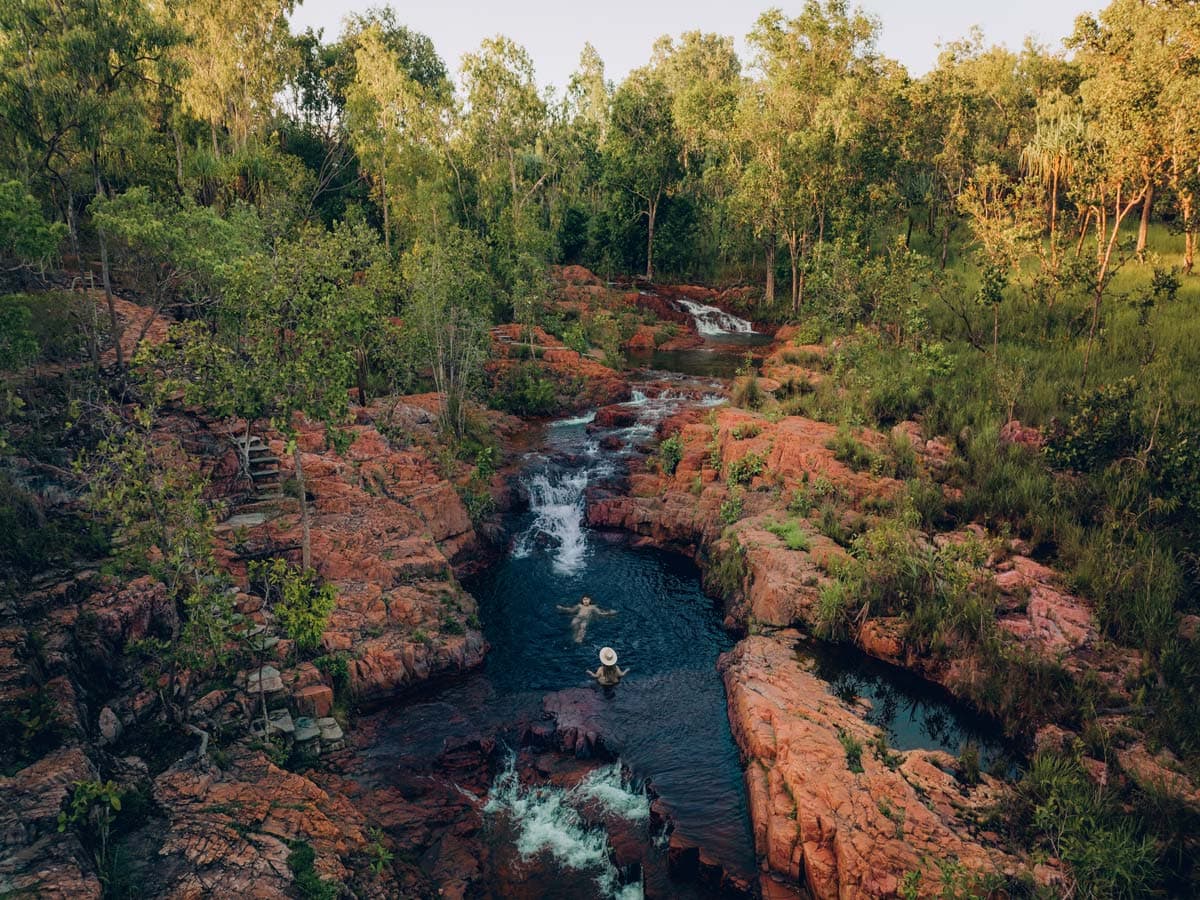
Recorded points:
(720, 357)
(913, 713)
(667, 719)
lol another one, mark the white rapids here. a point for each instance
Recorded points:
(547, 821)
(712, 321)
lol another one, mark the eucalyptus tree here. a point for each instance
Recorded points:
(642, 149)
(236, 55)
(448, 290)
(400, 127)
(71, 74)
(792, 120)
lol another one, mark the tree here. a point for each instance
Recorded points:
(71, 74)
(181, 254)
(501, 129)
(297, 315)
(26, 238)
(235, 56)
(399, 115)
(448, 288)
(792, 121)
(642, 151)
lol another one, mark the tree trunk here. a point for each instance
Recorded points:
(178, 157)
(104, 273)
(770, 290)
(1189, 233)
(1119, 214)
(305, 545)
(945, 241)
(1053, 211)
(651, 213)
(908, 233)
(1144, 226)
(387, 229)
(361, 376)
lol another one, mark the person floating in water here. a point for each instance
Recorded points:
(584, 611)
(609, 674)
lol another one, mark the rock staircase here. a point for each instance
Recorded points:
(263, 466)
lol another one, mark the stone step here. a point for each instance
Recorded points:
(260, 473)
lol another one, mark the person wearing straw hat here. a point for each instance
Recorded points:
(583, 612)
(609, 674)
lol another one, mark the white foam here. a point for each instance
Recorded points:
(558, 507)
(578, 420)
(546, 821)
(636, 398)
(710, 320)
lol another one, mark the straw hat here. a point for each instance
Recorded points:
(608, 656)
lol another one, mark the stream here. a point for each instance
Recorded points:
(667, 719)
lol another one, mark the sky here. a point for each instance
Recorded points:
(554, 31)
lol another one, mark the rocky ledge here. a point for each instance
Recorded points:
(830, 812)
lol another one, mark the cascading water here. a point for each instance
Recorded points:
(712, 321)
(546, 820)
(556, 500)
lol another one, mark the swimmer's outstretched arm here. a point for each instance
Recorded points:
(623, 672)
(568, 609)
(606, 612)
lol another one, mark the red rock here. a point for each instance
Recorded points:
(815, 820)
(314, 701)
(1013, 432)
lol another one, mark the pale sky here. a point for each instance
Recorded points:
(554, 31)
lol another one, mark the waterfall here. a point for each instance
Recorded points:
(710, 320)
(546, 821)
(556, 499)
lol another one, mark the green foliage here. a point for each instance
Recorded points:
(307, 883)
(30, 727)
(381, 857)
(91, 813)
(1081, 823)
(732, 506)
(851, 451)
(792, 534)
(968, 763)
(336, 666)
(670, 452)
(853, 748)
(522, 390)
(726, 571)
(25, 235)
(748, 393)
(742, 470)
(300, 604)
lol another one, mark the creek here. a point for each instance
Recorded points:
(667, 719)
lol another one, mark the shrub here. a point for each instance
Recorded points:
(791, 533)
(834, 608)
(336, 667)
(748, 394)
(1086, 827)
(853, 750)
(740, 471)
(523, 391)
(307, 882)
(300, 605)
(744, 430)
(968, 763)
(849, 450)
(727, 571)
(670, 452)
(733, 506)
(902, 458)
